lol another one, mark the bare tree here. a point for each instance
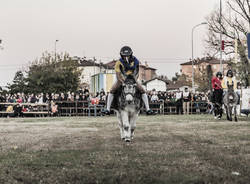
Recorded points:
(233, 25)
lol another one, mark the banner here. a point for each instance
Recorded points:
(248, 44)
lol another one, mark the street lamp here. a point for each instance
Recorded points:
(0, 44)
(203, 23)
(55, 48)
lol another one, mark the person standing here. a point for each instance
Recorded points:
(186, 101)
(178, 102)
(217, 95)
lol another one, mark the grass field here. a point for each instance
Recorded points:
(166, 149)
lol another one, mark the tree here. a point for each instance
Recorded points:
(176, 77)
(53, 76)
(19, 85)
(233, 25)
(202, 78)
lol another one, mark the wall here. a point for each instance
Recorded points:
(87, 72)
(156, 84)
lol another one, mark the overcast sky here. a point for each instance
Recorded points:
(159, 31)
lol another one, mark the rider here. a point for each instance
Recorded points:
(127, 65)
(229, 80)
(217, 95)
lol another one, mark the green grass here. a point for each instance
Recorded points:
(166, 149)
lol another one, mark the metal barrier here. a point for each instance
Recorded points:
(32, 109)
(79, 108)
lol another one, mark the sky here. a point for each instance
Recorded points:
(158, 31)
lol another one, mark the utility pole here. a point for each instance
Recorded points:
(221, 68)
(0, 44)
(192, 46)
(55, 48)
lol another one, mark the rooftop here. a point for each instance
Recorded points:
(209, 60)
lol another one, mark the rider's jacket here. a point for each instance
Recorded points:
(127, 68)
(229, 81)
(216, 83)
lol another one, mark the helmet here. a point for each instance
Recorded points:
(126, 51)
(230, 72)
(218, 74)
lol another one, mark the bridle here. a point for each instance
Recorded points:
(231, 93)
(128, 88)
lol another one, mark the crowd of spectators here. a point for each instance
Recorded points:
(180, 99)
(82, 95)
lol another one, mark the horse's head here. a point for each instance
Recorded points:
(230, 87)
(129, 89)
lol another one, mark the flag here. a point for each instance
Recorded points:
(248, 44)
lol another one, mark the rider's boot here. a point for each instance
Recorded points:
(145, 100)
(109, 102)
(150, 112)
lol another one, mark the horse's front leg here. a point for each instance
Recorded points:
(227, 111)
(126, 126)
(120, 125)
(133, 119)
(235, 114)
(230, 109)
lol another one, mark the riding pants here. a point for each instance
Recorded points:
(218, 97)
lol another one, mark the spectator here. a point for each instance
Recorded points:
(54, 108)
(186, 101)
(154, 97)
(178, 102)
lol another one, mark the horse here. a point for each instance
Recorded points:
(127, 104)
(230, 101)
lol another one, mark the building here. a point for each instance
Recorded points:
(178, 85)
(200, 65)
(145, 72)
(102, 81)
(89, 68)
(156, 83)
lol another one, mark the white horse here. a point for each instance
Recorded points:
(127, 104)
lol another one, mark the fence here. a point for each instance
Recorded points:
(23, 109)
(85, 108)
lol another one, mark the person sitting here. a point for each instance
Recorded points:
(127, 65)
(54, 108)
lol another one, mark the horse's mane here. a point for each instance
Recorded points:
(130, 79)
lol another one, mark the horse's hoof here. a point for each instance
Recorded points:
(236, 120)
(127, 140)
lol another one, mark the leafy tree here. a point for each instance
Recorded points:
(234, 26)
(53, 76)
(19, 84)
